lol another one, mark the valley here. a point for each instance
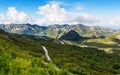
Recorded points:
(109, 44)
(25, 54)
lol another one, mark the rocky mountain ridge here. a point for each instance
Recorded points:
(56, 31)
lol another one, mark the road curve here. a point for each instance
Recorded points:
(48, 57)
(46, 53)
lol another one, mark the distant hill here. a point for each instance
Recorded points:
(115, 35)
(56, 31)
(71, 35)
(110, 44)
(2, 31)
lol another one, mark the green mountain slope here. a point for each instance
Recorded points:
(20, 55)
(110, 44)
(23, 55)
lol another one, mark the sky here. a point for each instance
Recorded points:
(105, 13)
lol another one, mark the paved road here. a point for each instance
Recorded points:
(46, 53)
(48, 57)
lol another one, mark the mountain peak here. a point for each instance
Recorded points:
(71, 35)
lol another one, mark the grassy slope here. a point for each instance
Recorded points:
(110, 43)
(22, 55)
(84, 61)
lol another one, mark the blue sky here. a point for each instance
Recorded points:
(81, 10)
(97, 7)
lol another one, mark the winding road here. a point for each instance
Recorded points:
(46, 54)
(48, 57)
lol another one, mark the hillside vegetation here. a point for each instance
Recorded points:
(110, 44)
(23, 55)
(20, 55)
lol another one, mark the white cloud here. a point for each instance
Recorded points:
(54, 14)
(84, 18)
(78, 8)
(13, 16)
(1, 17)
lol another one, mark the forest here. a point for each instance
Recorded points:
(23, 55)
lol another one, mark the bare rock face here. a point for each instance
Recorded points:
(55, 30)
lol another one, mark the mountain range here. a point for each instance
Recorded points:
(56, 31)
